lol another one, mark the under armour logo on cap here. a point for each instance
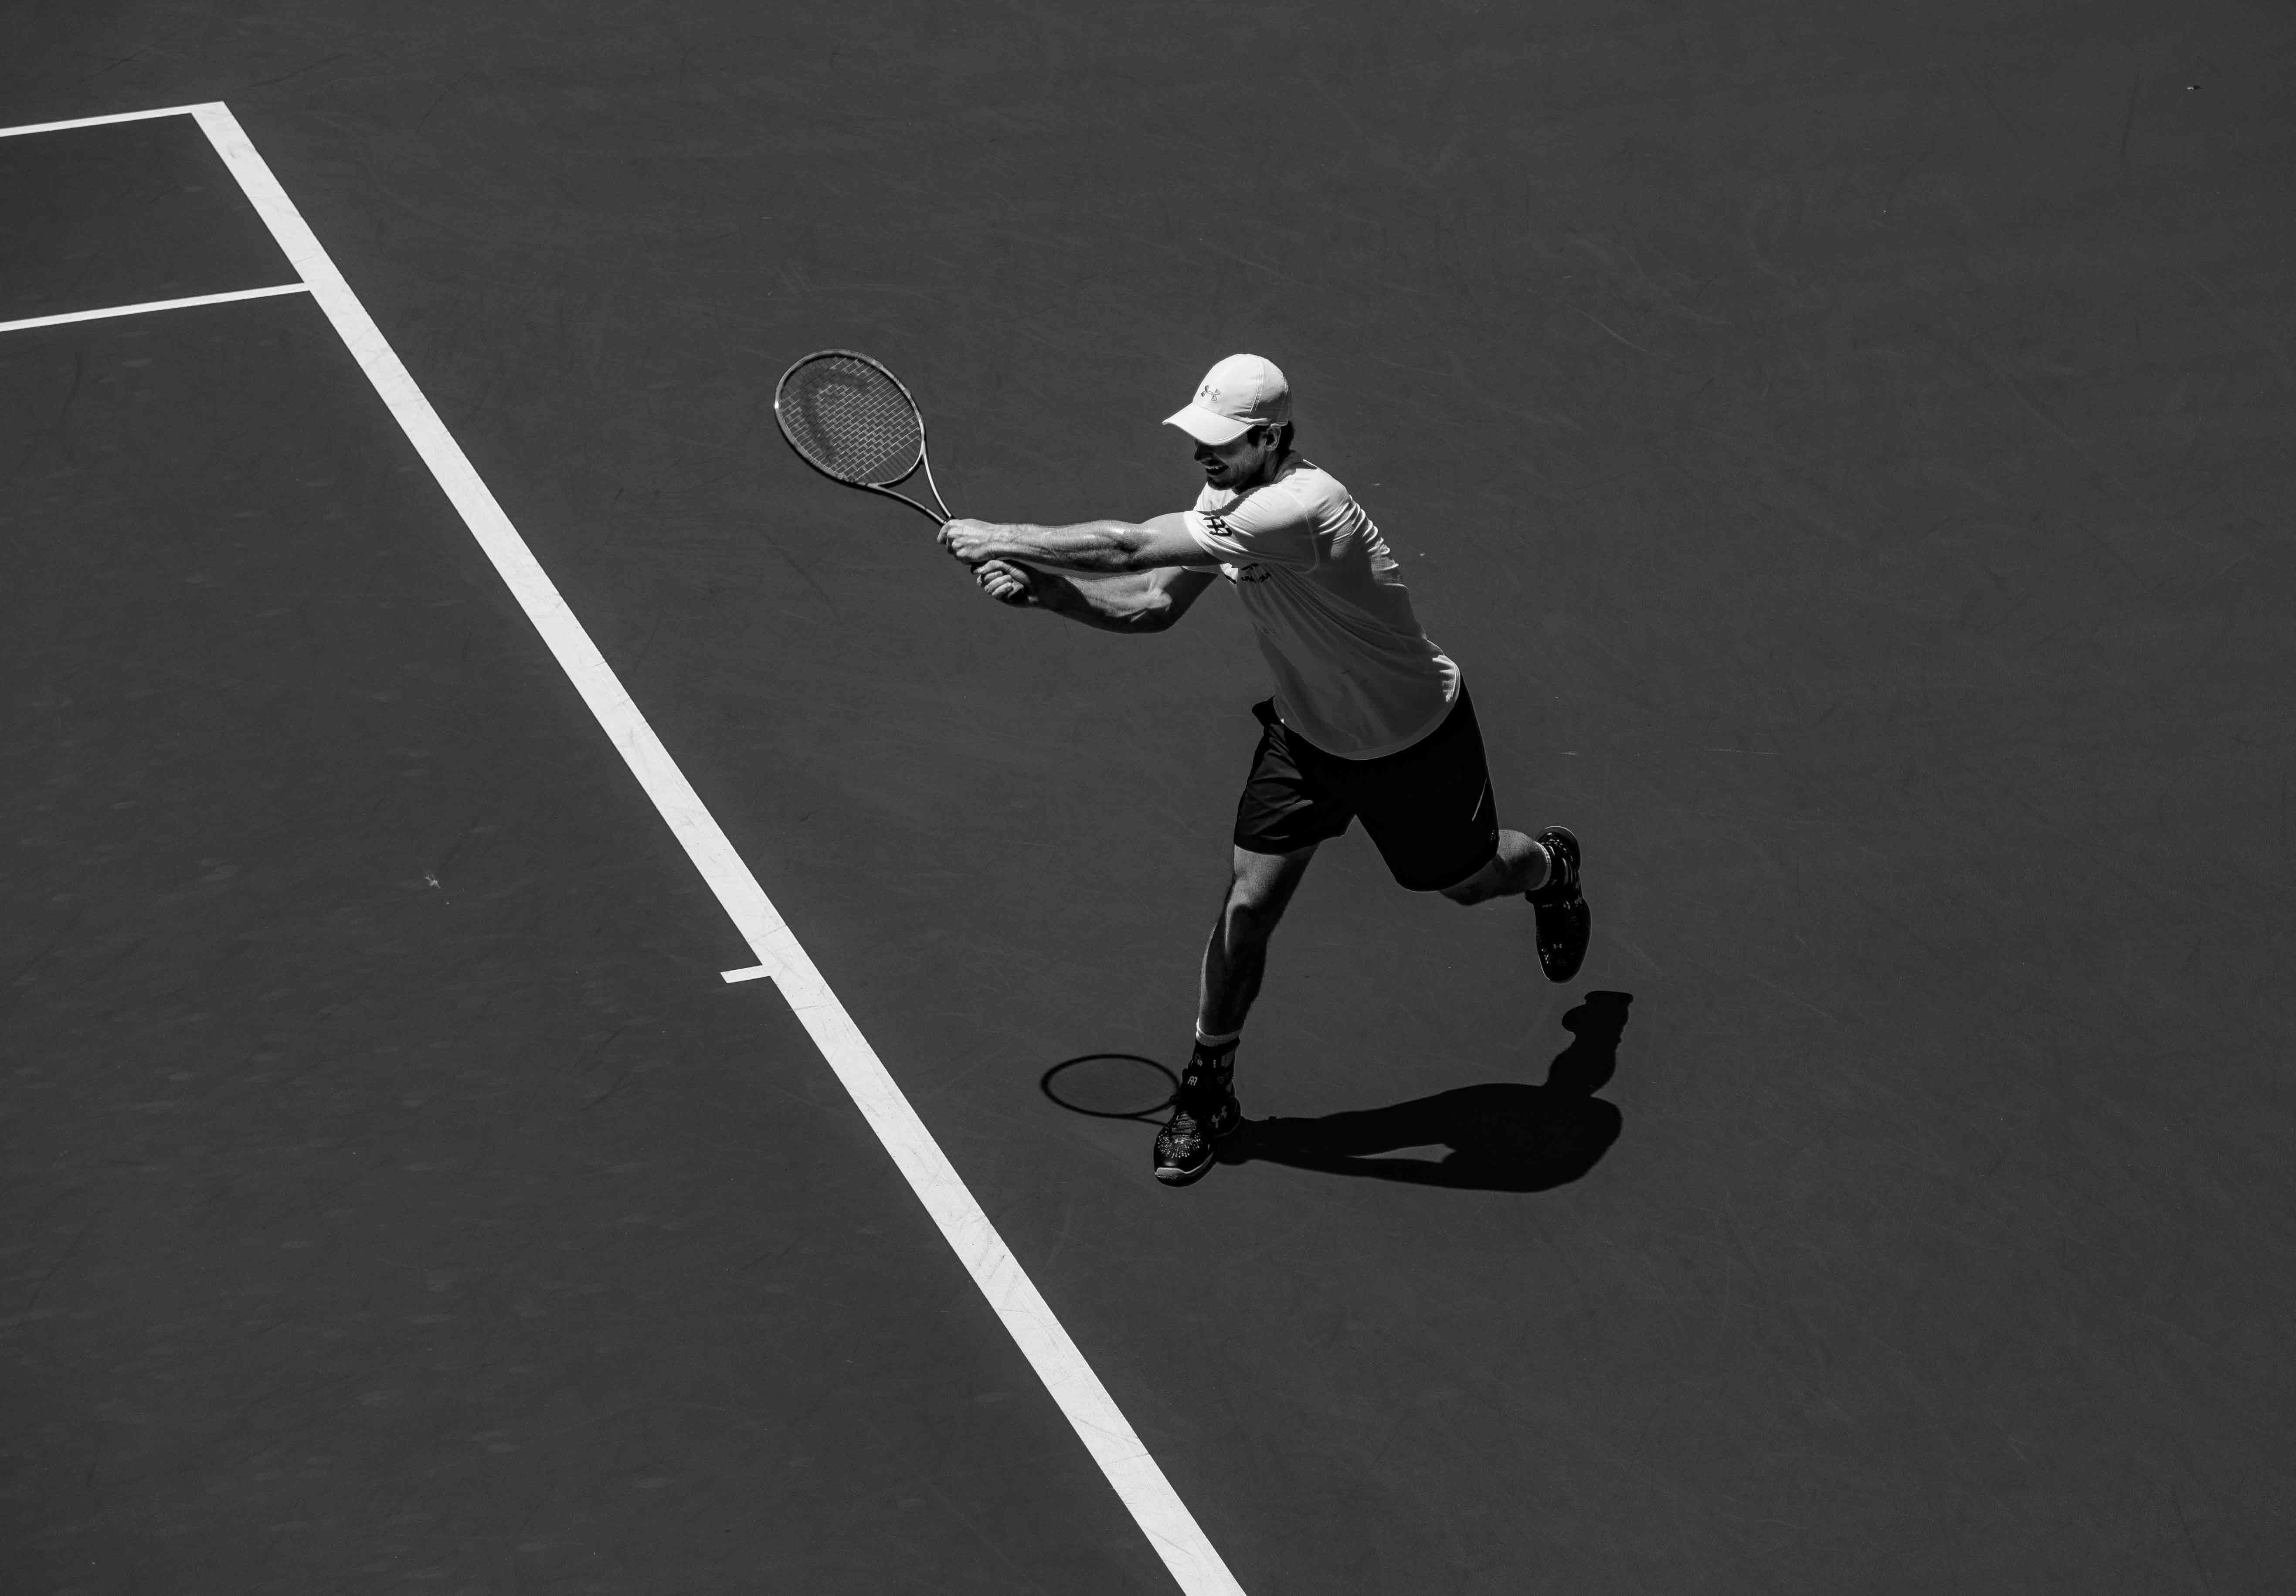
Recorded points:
(1239, 393)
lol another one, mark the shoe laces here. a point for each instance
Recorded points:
(1187, 1129)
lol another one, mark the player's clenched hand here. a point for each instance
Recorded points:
(970, 541)
(1007, 584)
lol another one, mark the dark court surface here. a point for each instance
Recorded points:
(124, 214)
(1849, 456)
(396, 1193)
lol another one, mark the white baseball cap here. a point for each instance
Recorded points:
(1239, 393)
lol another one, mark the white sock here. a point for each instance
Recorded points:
(1212, 1044)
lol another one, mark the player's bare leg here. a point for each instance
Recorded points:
(1236, 956)
(1545, 869)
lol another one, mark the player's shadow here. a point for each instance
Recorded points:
(1502, 1135)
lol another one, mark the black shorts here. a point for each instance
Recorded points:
(1429, 808)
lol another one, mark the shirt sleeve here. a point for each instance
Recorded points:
(1272, 527)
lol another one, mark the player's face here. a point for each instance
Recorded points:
(1244, 462)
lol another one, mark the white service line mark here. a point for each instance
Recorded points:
(116, 115)
(149, 305)
(755, 972)
(1171, 1529)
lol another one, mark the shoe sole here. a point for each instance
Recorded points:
(1172, 1174)
(1582, 932)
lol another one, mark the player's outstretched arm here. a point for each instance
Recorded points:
(1145, 601)
(1108, 548)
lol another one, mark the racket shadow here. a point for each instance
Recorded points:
(1503, 1135)
(1111, 1087)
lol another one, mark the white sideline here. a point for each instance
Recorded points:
(150, 304)
(1138, 1482)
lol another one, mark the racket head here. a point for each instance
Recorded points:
(851, 419)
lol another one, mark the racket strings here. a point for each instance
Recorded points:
(852, 421)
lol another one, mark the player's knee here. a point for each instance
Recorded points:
(1254, 891)
(1252, 913)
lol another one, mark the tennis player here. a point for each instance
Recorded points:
(1369, 720)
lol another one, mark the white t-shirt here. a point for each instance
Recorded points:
(1354, 674)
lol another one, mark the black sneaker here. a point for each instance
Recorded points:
(1203, 1109)
(1564, 922)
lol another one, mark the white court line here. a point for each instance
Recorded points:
(150, 304)
(755, 972)
(1106, 1434)
(116, 115)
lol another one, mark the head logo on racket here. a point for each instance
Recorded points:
(853, 420)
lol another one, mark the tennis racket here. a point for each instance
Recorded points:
(852, 421)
